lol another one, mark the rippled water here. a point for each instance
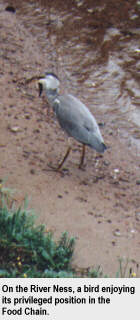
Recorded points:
(95, 50)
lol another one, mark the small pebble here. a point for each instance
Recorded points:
(32, 171)
(60, 196)
(14, 129)
(137, 215)
(137, 50)
(79, 2)
(109, 221)
(28, 117)
(11, 106)
(90, 213)
(116, 170)
(101, 124)
(117, 233)
(113, 243)
(106, 163)
(36, 131)
(90, 10)
(133, 231)
(10, 9)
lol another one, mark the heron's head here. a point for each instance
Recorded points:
(49, 83)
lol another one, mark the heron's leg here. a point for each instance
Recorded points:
(65, 157)
(59, 166)
(82, 156)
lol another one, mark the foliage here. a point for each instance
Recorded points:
(27, 250)
(126, 271)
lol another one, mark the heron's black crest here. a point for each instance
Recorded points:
(40, 88)
(51, 74)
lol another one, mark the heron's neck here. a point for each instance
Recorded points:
(52, 95)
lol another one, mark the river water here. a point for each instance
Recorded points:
(94, 47)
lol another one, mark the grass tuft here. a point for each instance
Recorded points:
(27, 250)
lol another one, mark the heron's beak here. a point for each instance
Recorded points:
(40, 86)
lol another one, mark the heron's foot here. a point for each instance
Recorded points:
(58, 169)
(82, 167)
(53, 167)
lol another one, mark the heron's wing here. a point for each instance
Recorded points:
(75, 118)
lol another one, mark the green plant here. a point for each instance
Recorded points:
(125, 270)
(28, 250)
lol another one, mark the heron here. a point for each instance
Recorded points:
(73, 116)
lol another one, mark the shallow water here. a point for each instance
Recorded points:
(95, 50)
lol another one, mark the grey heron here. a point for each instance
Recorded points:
(73, 116)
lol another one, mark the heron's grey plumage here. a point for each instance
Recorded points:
(74, 117)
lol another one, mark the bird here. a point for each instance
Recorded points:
(73, 116)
